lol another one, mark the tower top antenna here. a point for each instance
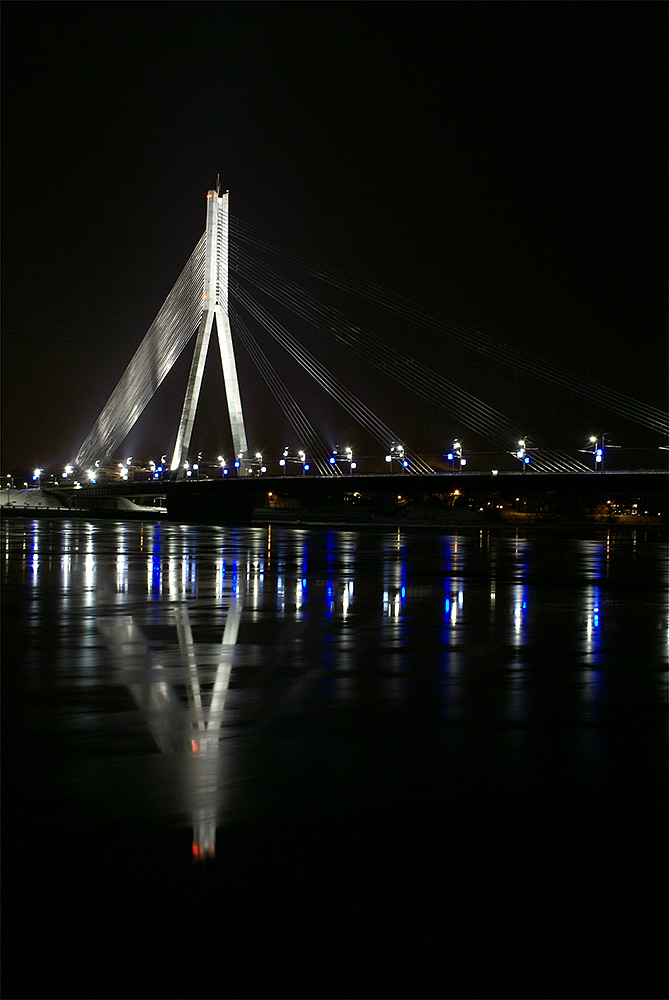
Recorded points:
(218, 184)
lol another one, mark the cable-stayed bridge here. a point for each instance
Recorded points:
(229, 278)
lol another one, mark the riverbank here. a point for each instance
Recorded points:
(414, 519)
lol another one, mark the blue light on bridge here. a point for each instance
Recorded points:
(450, 456)
(333, 461)
(405, 464)
(237, 463)
(225, 472)
(526, 460)
(307, 467)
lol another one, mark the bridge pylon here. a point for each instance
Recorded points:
(215, 306)
(199, 296)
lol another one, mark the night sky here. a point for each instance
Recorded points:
(502, 164)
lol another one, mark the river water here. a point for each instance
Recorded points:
(277, 762)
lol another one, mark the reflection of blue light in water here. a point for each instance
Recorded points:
(520, 610)
(593, 622)
(453, 605)
(155, 561)
(330, 599)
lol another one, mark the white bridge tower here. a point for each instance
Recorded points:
(215, 305)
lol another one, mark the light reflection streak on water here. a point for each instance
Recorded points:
(122, 573)
(34, 554)
(595, 554)
(66, 558)
(395, 589)
(520, 613)
(155, 567)
(592, 674)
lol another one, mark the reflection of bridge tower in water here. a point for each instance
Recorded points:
(206, 727)
(183, 704)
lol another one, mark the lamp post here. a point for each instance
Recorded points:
(456, 456)
(397, 453)
(348, 454)
(598, 453)
(521, 453)
(597, 450)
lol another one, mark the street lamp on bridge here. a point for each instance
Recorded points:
(397, 454)
(521, 453)
(597, 451)
(455, 457)
(299, 459)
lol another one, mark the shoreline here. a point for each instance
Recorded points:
(314, 519)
